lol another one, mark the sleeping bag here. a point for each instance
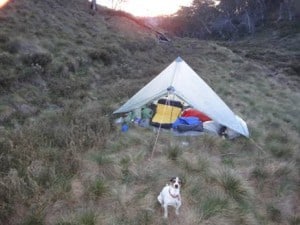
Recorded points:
(183, 124)
(195, 113)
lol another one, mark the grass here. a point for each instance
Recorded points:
(87, 218)
(274, 213)
(98, 188)
(233, 185)
(173, 152)
(213, 205)
(57, 94)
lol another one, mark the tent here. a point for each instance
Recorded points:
(181, 80)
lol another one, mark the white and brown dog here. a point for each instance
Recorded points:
(170, 196)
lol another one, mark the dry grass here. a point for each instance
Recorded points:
(63, 161)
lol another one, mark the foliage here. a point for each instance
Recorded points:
(64, 161)
(229, 20)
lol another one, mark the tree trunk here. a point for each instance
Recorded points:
(93, 5)
(249, 23)
(285, 8)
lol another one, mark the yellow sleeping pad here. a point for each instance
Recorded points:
(167, 111)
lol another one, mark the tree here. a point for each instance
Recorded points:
(230, 19)
(285, 10)
(116, 3)
(93, 6)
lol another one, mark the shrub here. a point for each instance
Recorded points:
(3, 38)
(6, 59)
(101, 55)
(13, 46)
(6, 201)
(42, 59)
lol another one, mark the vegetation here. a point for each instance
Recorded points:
(229, 19)
(63, 160)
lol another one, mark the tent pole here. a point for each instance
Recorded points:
(156, 139)
(159, 128)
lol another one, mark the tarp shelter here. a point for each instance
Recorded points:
(181, 80)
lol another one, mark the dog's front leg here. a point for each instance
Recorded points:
(177, 209)
(165, 211)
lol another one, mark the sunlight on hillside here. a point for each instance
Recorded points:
(3, 2)
(147, 8)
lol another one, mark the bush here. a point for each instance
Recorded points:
(6, 59)
(101, 55)
(13, 46)
(3, 38)
(6, 202)
(42, 59)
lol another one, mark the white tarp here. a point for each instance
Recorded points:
(181, 80)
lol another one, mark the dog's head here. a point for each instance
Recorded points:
(176, 182)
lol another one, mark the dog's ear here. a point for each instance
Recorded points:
(181, 181)
(173, 179)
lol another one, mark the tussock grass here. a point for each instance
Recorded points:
(233, 185)
(274, 214)
(87, 218)
(214, 204)
(173, 152)
(98, 189)
(294, 220)
(60, 82)
(101, 159)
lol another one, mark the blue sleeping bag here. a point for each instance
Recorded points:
(183, 124)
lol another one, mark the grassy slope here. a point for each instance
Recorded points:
(63, 161)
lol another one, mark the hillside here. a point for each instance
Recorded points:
(64, 70)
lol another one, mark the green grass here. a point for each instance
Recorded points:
(87, 218)
(213, 205)
(173, 152)
(62, 77)
(98, 188)
(233, 186)
(274, 213)
(101, 159)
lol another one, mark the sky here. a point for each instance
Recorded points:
(3, 2)
(149, 7)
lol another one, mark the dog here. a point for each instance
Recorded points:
(170, 196)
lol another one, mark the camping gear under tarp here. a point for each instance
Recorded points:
(195, 113)
(181, 80)
(184, 124)
(167, 111)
